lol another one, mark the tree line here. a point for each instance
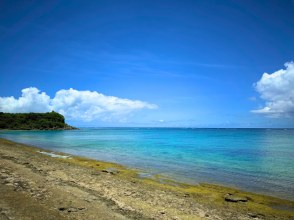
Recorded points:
(33, 121)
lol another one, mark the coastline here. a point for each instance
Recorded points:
(76, 187)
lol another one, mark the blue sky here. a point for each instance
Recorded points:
(187, 63)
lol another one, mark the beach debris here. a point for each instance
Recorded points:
(111, 170)
(232, 198)
(54, 155)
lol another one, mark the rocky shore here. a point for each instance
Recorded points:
(38, 184)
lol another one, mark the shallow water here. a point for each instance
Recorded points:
(257, 160)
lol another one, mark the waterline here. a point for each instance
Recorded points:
(256, 160)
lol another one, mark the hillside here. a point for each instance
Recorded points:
(33, 121)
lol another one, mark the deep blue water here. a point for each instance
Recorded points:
(257, 160)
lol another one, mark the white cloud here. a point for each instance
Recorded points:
(277, 89)
(31, 100)
(73, 104)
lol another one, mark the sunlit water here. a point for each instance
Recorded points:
(257, 160)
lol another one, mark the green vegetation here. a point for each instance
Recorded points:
(33, 121)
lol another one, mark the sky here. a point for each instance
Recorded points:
(198, 63)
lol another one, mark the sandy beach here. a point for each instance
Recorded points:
(38, 184)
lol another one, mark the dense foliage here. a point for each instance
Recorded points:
(33, 121)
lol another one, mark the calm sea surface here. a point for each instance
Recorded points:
(258, 160)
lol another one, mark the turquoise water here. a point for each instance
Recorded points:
(257, 160)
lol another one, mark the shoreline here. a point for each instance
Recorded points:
(151, 173)
(126, 194)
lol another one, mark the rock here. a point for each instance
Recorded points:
(112, 171)
(232, 198)
(9, 184)
(62, 209)
(255, 215)
(128, 193)
(72, 210)
(90, 198)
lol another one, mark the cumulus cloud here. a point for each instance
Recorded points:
(73, 104)
(277, 89)
(31, 100)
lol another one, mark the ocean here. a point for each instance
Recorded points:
(256, 160)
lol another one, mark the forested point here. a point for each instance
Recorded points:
(33, 121)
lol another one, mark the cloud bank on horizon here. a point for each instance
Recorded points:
(277, 89)
(73, 104)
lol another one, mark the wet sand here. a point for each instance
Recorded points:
(38, 185)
